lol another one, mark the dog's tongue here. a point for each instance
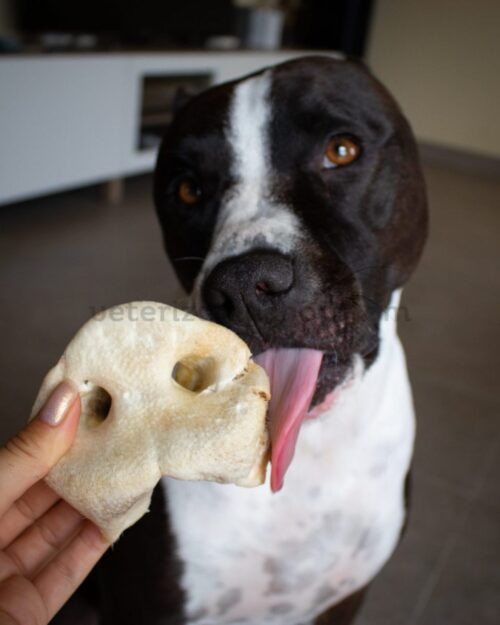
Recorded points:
(293, 374)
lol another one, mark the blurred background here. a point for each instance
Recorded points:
(86, 91)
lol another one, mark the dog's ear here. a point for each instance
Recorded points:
(182, 96)
(397, 206)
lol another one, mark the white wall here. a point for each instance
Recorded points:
(441, 60)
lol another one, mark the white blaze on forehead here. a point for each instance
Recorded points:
(248, 135)
(249, 216)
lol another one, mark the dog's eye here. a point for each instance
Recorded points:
(189, 192)
(340, 151)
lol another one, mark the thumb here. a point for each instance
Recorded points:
(31, 453)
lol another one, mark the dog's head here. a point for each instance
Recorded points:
(292, 206)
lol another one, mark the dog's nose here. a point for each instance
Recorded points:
(247, 286)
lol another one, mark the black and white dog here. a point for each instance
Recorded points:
(293, 209)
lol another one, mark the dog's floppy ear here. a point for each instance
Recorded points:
(396, 206)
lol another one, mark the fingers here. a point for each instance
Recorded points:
(44, 539)
(30, 455)
(47, 548)
(62, 576)
(35, 502)
(21, 603)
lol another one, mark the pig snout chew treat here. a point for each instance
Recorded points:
(163, 394)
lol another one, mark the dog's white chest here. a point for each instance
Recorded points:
(251, 557)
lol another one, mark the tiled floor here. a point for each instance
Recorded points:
(446, 570)
(62, 256)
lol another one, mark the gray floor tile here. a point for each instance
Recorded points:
(455, 346)
(455, 434)
(468, 590)
(489, 490)
(435, 514)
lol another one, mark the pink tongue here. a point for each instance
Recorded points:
(293, 374)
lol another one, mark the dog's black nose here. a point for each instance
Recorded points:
(246, 287)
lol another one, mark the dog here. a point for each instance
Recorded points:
(293, 210)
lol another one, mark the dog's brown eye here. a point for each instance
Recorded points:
(341, 151)
(189, 192)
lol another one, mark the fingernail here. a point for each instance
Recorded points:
(58, 404)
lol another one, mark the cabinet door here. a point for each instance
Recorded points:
(61, 123)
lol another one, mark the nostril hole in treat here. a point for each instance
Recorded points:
(194, 374)
(96, 404)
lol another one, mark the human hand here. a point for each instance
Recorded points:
(46, 547)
